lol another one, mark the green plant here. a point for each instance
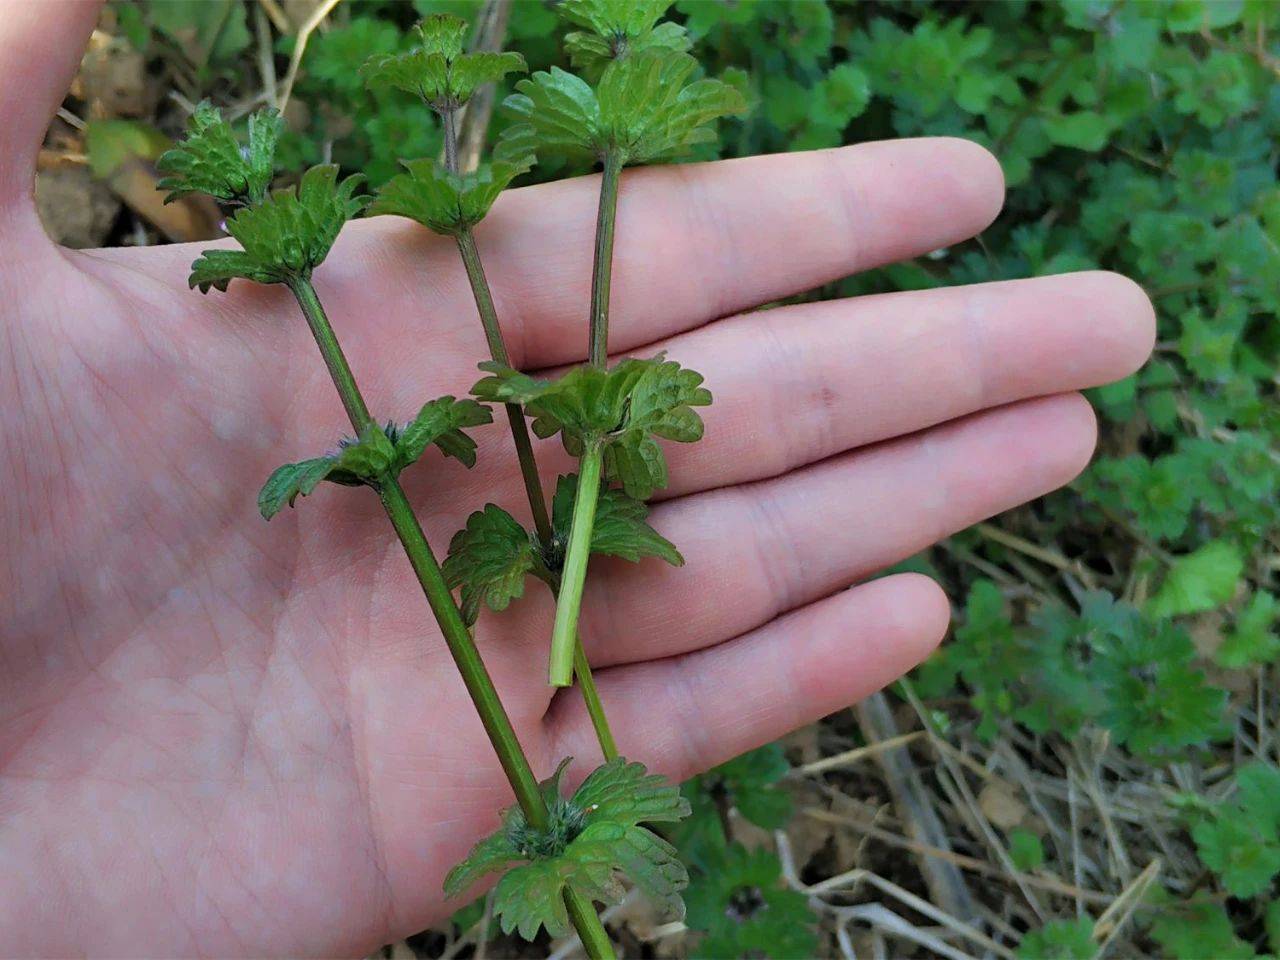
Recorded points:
(572, 851)
(284, 237)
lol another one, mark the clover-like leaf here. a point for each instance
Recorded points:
(441, 422)
(615, 28)
(644, 109)
(489, 559)
(356, 463)
(210, 160)
(449, 202)
(285, 236)
(625, 408)
(437, 70)
(593, 840)
(620, 529)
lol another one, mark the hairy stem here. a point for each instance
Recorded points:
(449, 120)
(577, 554)
(458, 639)
(602, 270)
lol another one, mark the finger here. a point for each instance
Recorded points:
(798, 384)
(694, 242)
(685, 714)
(754, 552)
(41, 42)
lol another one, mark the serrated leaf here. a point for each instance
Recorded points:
(356, 463)
(625, 407)
(492, 853)
(437, 70)
(489, 559)
(1194, 931)
(593, 840)
(624, 792)
(1201, 580)
(441, 422)
(286, 236)
(448, 202)
(290, 481)
(210, 160)
(644, 109)
(616, 28)
(620, 529)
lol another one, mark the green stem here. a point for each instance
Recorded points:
(529, 470)
(448, 120)
(456, 636)
(591, 697)
(590, 930)
(498, 350)
(577, 554)
(602, 271)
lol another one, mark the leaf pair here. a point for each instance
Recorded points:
(624, 408)
(644, 108)
(447, 202)
(593, 840)
(379, 453)
(491, 558)
(210, 160)
(437, 70)
(285, 236)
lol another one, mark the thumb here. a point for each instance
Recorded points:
(41, 42)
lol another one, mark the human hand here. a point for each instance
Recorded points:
(227, 737)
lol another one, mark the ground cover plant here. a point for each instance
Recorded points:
(1089, 765)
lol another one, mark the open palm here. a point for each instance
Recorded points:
(223, 736)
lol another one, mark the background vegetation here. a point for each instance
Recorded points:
(1089, 765)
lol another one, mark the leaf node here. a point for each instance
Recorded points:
(593, 840)
(625, 408)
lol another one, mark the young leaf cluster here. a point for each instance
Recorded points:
(379, 453)
(286, 236)
(645, 108)
(211, 160)
(626, 409)
(612, 29)
(594, 839)
(437, 70)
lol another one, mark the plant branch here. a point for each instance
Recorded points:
(458, 639)
(577, 554)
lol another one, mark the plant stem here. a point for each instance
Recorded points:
(591, 697)
(602, 270)
(456, 636)
(498, 350)
(449, 120)
(577, 554)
